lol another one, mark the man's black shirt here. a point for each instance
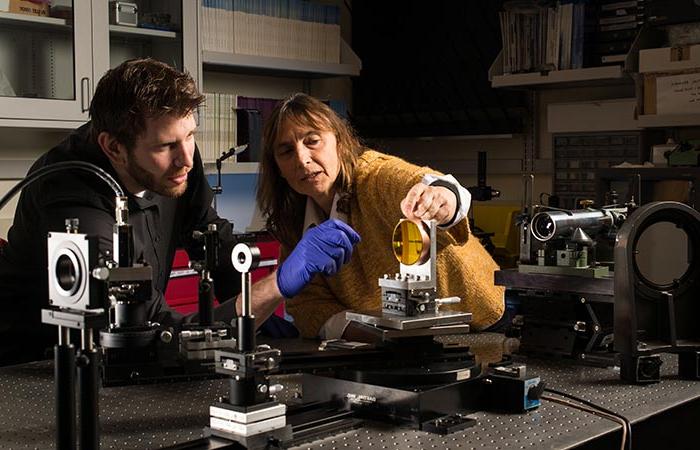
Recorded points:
(160, 225)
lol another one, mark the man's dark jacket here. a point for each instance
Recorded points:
(161, 225)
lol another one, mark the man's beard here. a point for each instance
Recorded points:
(148, 181)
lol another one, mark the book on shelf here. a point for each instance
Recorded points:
(264, 105)
(249, 131)
(619, 23)
(611, 59)
(217, 125)
(621, 19)
(616, 5)
(252, 113)
(566, 19)
(578, 34)
(541, 36)
(635, 25)
(291, 29)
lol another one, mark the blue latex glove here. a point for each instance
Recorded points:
(322, 249)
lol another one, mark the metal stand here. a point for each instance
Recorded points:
(86, 365)
(218, 188)
(210, 239)
(653, 318)
(89, 360)
(562, 316)
(198, 341)
(250, 415)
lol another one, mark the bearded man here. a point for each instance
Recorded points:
(142, 132)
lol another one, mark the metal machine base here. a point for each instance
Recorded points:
(563, 316)
(585, 272)
(409, 323)
(404, 406)
(244, 424)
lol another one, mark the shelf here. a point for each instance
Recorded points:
(594, 76)
(350, 64)
(494, 166)
(617, 74)
(36, 22)
(649, 173)
(235, 168)
(41, 124)
(671, 120)
(593, 115)
(121, 30)
(275, 66)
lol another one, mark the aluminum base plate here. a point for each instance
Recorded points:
(410, 323)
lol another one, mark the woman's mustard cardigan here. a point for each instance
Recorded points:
(464, 268)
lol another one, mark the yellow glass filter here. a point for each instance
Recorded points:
(407, 242)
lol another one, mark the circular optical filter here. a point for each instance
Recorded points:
(410, 242)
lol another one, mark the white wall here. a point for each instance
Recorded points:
(458, 157)
(443, 152)
(19, 147)
(545, 97)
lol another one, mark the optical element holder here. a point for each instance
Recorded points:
(250, 414)
(651, 318)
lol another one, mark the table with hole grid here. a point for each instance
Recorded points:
(162, 415)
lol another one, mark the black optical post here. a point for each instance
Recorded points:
(88, 363)
(210, 239)
(64, 386)
(482, 192)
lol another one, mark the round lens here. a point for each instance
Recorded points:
(543, 227)
(407, 242)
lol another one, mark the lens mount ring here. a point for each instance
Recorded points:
(245, 257)
(69, 272)
(411, 242)
(540, 233)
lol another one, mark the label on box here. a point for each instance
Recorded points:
(679, 94)
(29, 7)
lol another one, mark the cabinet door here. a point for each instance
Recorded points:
(154, 29)
(46, 64)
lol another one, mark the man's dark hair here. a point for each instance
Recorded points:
(137, 90)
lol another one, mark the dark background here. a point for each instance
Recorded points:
(425, 69)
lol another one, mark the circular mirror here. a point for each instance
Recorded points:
(410, 242)
(661, 253)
